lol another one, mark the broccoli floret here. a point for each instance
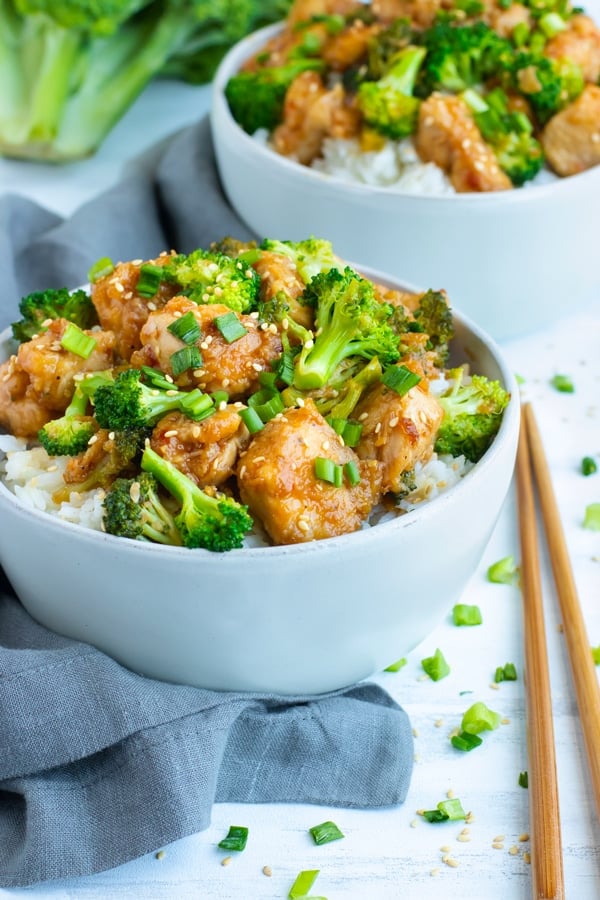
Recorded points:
(434, 317)
(473, 409)
(310, 256)
(70, 434)
(510, 135)
(388, 105)
(548, 84)
(349, 321)
(58, 303)
(460, 56)
(129, 403)
(386, 44)
(134, 509)
(277, 310)
(207, 277)
(256, 98)
(216, 523)
(233, 247)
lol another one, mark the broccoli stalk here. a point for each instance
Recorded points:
(133, 509)
(40, 306)
(211, 277)
(388, 105)
(128, 403)
(216, 523)
(349, 321)
(510, 135)
(310, 256)
(473, 410)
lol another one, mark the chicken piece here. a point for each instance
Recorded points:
(397, 431)
(279, 273)
(571, 139)
(206, 451)
(301, 10)
(580, 43)
(312, 112)
(21, 410)
(350, 46)
(121, 309)
(51, 369)
(448, 136)
(79, 468)
(504, 21)
(227, 367)
(276, 477)
(422, 13)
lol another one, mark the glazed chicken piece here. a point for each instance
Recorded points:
(571, 139)
(421, 12)
(277, 480)
(580, 43)
(448, 136)
(206, 451)
(350, 46)
(21, 410)
(279, 273)
(397, 431)
(121, 309)
(227, 367)
(312, 112)
(504, 21)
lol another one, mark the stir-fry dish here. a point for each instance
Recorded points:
(199, 396)
(489, 91)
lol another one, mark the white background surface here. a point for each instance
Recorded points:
(383, 856)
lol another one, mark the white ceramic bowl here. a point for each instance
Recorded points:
(297, 619)
(511, 260)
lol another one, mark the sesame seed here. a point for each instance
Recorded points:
(478, 165)
(204, 345)
(300, 402)
(52, 469)
(264, 326)
(196, 431)
(309, 344)
(218, 291)
(258, 459)
(171, 433)
(169, 379)
(494, 686)
(465, 830)
(325, 445)
(438, 723)
(514, 850)
(222, 406)
(499, 838)
(119, 287)
(151, 306)
(268, 871)
(253, 315)
(273, 328)
(285, 324)
(363, 416)
(226, 860)
(226, 382)
(453, 863)
(595, 138)
(206, 297)
(136, 262)
(505, 721)
(393, 421)
(445, 849)
(524, 837)
(92, 440)
(527, 857)
(303, 525)
(135, 491)
(257, 367)
(415, 732)
(450, 794)
(466, 143)
(160, 855)
(378, 428)
(434, 872)
(497, 845)
(128, 295)
(414, 823)
(171, 392)
(463, 838)
(428, 121)
(46, 323)
(198, 373)
(111, 435)
(177, 314)
(243, 471)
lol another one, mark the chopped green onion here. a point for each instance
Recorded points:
(551, 24)
(465, 741)
(77, 341)
(236, 839)
(596, 655)
(503, 572)
(435, 815)
(396, 666)
(197, 405)
(251, 419)
(338, 476)
(463, 614)
(268, 379)
(230, 327)
(156, 378)
(219, 397)
(149, 280)
(436, 666)
(352, 473)
(284, 367)
(303, 883)
(519, 378)
(563, 383)
(399, 379)
(591, 520)
(537, 42)
(588, 465)
(523, 779)
(184, 359)
(325, 832)
(506, 673)
(185, 328)
(352, 432)
(520, 35)
(447, 810)
(337, 424)
(253, 255)
(101, 268)
(479, 718)
(327, 470)
(267, 402)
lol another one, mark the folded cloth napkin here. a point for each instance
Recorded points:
(99, 765)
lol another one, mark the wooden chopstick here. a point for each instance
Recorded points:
(578, 646)
(544, 814)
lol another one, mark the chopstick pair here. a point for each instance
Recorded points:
(547, 861)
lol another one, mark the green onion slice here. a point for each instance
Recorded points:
(219, 397)
(186, 328)
(327, 470)
(197, 405)
(184, 359)
(325, 832)
(588, 465)
(236, 838)
(465, 741)
(396, 666)
(591, 519)
(352, 432)
(149, 280)
(463, 614)
(503, 572)
(77, 341)
(399, 379)
(352, 473)
(480, 718)
(156, 378)
(303, 883)
(251, 419)
(523, 779)
(563, 383)
(284, 367)
(436, 666)
(230, 327)
(505, 673)
(596, 655)
(101, 268)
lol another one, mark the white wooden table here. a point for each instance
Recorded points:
(394, 853)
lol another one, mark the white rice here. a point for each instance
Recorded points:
(34, 477)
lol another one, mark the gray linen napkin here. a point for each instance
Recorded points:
(99, 765)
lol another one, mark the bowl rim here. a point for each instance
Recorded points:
(220, 113)
(355, 539)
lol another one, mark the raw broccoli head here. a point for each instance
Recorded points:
(134, 509)
(473, 409)
(310, 256)
(212, 277)
(349, 321)
(59, 303)
(100, 17)
(216, 523)
(129, 403)
(548, 84)
(388, 105)
(256, 98)
(510, 135)
(460, 56)
(434, 317)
